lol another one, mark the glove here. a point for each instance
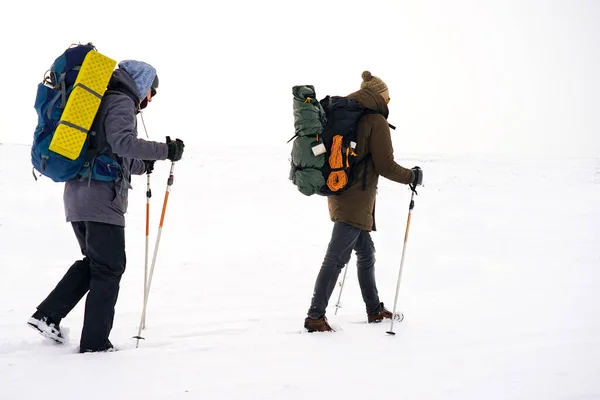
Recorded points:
(175, 149)
(417, 177)
(149, 166)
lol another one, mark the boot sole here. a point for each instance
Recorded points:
(399, 317)
(45, 330)
(109, 350)
(309, 330)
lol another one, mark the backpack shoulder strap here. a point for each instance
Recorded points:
(365, 160)
(369, 111)
(98, 148)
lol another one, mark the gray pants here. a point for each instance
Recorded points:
(344, 239)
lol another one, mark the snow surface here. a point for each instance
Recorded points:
(501, 283)
(500, 289)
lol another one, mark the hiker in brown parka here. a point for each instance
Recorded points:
(353, 211)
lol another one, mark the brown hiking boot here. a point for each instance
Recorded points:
(380, 316)
(317, 325)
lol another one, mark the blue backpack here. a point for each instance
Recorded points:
(51, 99)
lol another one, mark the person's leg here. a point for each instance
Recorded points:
(365, 262)
(338, 254)
(105, 248)
(72, 287)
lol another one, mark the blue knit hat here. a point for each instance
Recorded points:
(143, 74)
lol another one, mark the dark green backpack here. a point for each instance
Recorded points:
(323, 160)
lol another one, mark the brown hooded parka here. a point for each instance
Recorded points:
(356, 206)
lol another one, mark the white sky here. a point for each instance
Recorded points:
(465, 76)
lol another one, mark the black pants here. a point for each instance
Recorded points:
(99, 273)
(344, 239)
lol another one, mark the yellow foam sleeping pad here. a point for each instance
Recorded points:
(82, 105)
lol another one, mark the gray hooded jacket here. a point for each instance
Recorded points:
(116, 125)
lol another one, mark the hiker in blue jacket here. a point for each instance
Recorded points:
(96, 210)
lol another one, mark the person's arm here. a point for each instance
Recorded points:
(382, 153)
(120, 134)
(138, 167)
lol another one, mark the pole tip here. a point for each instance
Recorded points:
(391, 333)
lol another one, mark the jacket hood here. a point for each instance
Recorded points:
(122, 82)
(143, 74)
(372, 100)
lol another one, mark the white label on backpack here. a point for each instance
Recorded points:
(353, 145)
(318, 149)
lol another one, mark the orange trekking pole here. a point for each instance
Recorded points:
(400, 316)
(160, 226)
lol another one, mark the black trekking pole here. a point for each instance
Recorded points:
(410, 209)
(148, 196)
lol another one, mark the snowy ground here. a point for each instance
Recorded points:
(501, 286)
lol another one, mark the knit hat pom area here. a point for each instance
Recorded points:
(367, 76)
(372, 82)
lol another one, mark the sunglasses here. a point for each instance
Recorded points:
(152, 92)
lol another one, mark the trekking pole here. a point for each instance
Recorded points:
(410, 209)
(160, 226)
(338, 306)
(148, 195)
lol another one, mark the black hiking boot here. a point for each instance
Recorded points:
(46, 326)
(317, 325)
